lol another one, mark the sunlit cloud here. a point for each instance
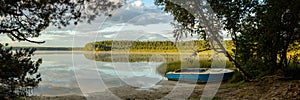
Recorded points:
(113, 28)
(137, 3)
(133, 21)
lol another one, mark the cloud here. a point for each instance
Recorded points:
(112, 28)
(109, 36)
(151, 28)
(139, 15)
(133, 21)
(140, 35)
(137, 3)
(150, 18)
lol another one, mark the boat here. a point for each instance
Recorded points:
(200, 74)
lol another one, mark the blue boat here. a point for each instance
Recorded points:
(200, 74)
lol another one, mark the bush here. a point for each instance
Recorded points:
(293, 71)
(18, 73)
(236, 78)
(256, 68)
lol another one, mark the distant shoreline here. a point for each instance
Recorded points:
(99, 52)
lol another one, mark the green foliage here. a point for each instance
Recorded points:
(236, 78)
(18, 73)
(237, 84)
(267, 28)
(261, 30)
(293, 70)
(21, 19)
(184, 20)
(147, 46)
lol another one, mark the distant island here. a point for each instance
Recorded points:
(150, 46)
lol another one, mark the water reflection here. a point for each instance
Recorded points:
(74, 74)
(131, 57)
(57, 75)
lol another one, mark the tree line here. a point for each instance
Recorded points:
(160, 46)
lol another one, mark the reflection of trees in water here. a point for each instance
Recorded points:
(133, 57)
(139, 57)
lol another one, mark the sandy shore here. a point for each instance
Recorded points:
(170, 90)
(163, 90)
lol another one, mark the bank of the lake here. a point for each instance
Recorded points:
(266, 89)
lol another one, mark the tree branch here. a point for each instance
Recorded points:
(9, 11)
(11, 33)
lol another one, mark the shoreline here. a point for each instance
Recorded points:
(266, 89)
(106, 52)
(158, 91)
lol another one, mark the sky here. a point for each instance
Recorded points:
(137, 20)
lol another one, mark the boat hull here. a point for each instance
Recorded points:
(199, 77)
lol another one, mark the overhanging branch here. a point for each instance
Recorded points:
(21, 37)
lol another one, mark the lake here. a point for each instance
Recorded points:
(67, 73)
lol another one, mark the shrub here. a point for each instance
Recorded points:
(18, 73)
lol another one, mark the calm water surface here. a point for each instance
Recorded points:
(69, 74)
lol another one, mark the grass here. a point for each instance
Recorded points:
(237, 77)
(238, 84)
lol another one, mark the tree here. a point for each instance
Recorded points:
(18, 72)
(195, 17)
(24, 19)
(267, 29)
(21, 19)
(262, 30)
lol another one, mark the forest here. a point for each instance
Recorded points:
(152, 46)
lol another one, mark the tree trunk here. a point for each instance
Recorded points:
(239, 68)
(212, 27)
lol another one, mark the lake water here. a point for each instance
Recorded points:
(74, 74)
